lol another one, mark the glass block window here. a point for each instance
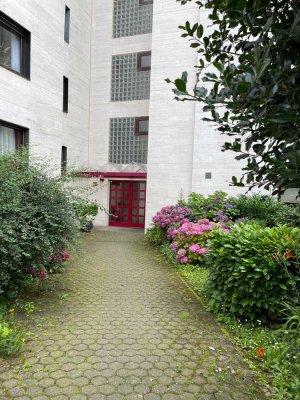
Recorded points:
(132, 17)
(124, 146)
(128, 81)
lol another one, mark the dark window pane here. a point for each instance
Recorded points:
(64, 154)
(10, 50)
(14, 46)
(12, 137)
(67, 24)
(66, 95)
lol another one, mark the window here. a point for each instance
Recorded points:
(124, 146)
(127, 81)
(64, 156)
(141, 126)
(67, 24)
(14, 46)
(144, 61)
(132, 17)
(66, 95)
(12, 137)
(145, 2)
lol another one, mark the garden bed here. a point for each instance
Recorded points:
(245, 268)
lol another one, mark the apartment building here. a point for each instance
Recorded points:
(83, 83)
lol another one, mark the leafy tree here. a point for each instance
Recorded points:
(251, 61)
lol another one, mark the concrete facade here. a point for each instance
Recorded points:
(181, 147)
(37, 103)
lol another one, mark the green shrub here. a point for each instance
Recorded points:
(253, 269)
(37, 219)
(216, 207)
(267, 210)
(156, 235)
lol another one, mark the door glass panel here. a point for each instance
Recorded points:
(142, 195)
(134, 220)
(125, 211)
(135, 203)
(113, 202)
(134, 211)
(141, 212)
(126, 185)
(142, 186)
(141, 220)
(142, 203)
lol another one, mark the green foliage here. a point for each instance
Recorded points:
(211, 207)
(10, 339)
(85, 211)
(254, 50)
(267, 210)
(156, 235)
(254, 269)
(37, 219)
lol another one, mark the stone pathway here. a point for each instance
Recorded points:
(125, 327)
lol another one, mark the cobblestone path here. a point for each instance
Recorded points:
(124, 327)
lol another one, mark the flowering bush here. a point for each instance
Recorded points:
(189, 240)
(41, 269)
(171, 216)
(37, 220)
(216, 207)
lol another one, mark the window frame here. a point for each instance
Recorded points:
(67, 24)
(140, 55)
(65, 94)
(137, 131)
(25, 36)
(21, 134)
(145, 2)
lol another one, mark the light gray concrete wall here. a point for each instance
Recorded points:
(171, 133)
(37, 103)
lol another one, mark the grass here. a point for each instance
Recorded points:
(274, 349)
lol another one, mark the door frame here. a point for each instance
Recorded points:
(128, 224)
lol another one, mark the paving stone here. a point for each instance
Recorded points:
(128, 329)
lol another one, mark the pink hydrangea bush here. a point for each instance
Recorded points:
(190, 240)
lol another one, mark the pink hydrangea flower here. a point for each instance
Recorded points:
(42, 274)
(184, 260)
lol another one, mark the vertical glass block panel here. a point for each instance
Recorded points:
(127, 83)
(124, 146)
(132, 17)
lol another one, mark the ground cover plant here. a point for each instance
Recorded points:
(248, 274)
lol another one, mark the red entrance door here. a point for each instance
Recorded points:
(127, 203)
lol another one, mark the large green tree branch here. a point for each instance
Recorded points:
(251, 62)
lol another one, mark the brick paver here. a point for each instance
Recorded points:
(124, 326)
